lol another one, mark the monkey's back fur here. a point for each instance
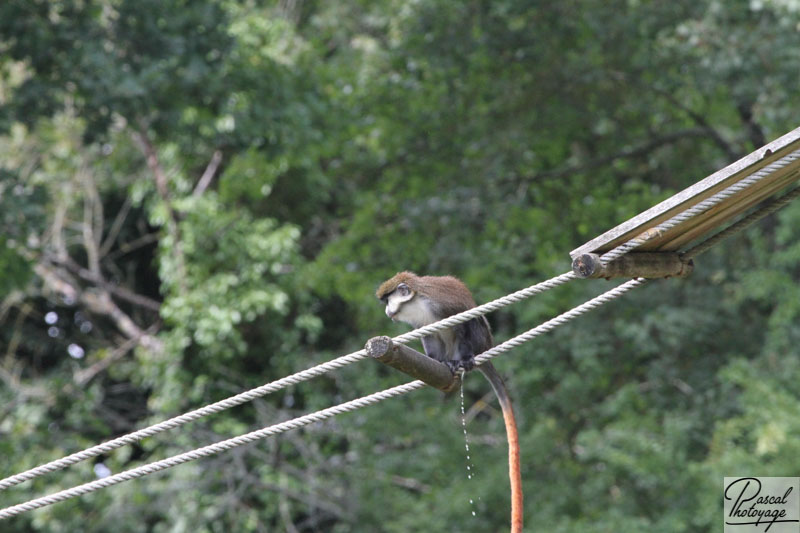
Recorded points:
(447, 293)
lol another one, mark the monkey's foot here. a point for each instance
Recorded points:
(457, 367)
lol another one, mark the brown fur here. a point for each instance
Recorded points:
(390, 285)
(448, 294)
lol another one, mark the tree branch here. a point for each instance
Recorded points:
(84, 376)
(160, 178)
(116, 226)
(92, 210)
(724, 145)
(102, 283)
(208, 175)
(754, 131)
(625, 153)
(128, 247)
(98, 302)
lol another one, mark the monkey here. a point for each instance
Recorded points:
(422, 300)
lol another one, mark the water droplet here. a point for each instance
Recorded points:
(75, 351)
(101, 470)
(470, 469)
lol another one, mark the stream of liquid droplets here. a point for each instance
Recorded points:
(470, 466)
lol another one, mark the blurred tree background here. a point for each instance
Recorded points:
(201, 197)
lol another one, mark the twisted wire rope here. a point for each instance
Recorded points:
(279, 384)
(561, 319)
(206, 451)
(700, 207)
(361, 354)
(755, 216)
(304, 420)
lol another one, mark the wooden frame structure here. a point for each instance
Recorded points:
(681, 235)
(659, 255)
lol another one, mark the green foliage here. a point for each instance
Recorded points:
(16, 271)
(347, 141)
(126, 58)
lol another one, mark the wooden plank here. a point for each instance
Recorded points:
(695, 227)
(677, 237)
(716, 218)
(415, 364)
(650, 265)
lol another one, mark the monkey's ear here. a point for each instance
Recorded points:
(403, 289)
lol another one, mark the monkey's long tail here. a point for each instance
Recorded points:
(514, 474)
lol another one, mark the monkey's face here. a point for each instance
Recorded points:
(397, 300)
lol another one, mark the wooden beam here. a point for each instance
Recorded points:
(415, 364)
(678, 237)
(649, 265)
